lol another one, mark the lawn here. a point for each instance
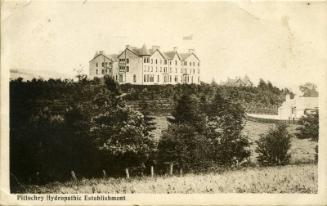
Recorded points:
(285, 179)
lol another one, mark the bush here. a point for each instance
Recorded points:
(309, 127)
(273, 148)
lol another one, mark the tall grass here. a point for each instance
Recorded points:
(286, 179)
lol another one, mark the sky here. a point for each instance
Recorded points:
(283, 42)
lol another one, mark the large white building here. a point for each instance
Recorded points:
(148, 66)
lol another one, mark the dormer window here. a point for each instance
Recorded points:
(96, 64)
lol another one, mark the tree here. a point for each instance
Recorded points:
(309, 90)
(185, 147)
(273, 148)
(187, 111)
(184, 143)
(224, 126)
(120, 132)
(309, 128)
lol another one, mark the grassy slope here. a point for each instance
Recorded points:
(286, 179)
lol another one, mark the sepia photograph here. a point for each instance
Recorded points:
(103, 101)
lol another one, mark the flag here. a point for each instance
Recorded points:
(190, 37)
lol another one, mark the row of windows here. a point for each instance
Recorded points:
(165, 69)
(103, 71)
(124, 61)
(155, 61)
(122, 69)
(167, 78)
(103, 64)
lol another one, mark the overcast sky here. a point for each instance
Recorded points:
(281, 42)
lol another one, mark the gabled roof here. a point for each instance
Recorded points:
(159, 53)
(171, 54)
(96, 56)
(186, 55)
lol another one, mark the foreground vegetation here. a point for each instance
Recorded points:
(282, 179)
(65, 130)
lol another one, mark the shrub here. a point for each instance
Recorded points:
(273, 148)
(309, 128)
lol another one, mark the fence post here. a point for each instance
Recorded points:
(104, 173)
(73, 175)
(127, 173)
(171, 169)
(152, 171)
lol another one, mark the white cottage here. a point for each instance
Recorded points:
(293, 109)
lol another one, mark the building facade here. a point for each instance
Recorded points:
(293, 109)
(149, 66)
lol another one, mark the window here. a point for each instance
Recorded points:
(144, 60)
(151, 69)
(102, 64)
(156, 61)
(165, 61)
(156, 69)
(144, 78)
(169, 78)
(127, 61)
(199, 64)
(96, 71)
(158, 78)
(120, 77)
(102, 71)
(127, 68)
(134, 78)
(160, 69)
(96, 64)
(148, 60)
(116, 77)
(170, 62)
(185, 63)
(176, 78)
(175, 62)
(151, 61)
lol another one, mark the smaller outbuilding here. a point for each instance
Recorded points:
(294, 109)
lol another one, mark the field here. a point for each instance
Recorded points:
(286, 179)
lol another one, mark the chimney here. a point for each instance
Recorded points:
(175, 48)
(191, 51)
(155, 47)
(127, 46)
(101, 52)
